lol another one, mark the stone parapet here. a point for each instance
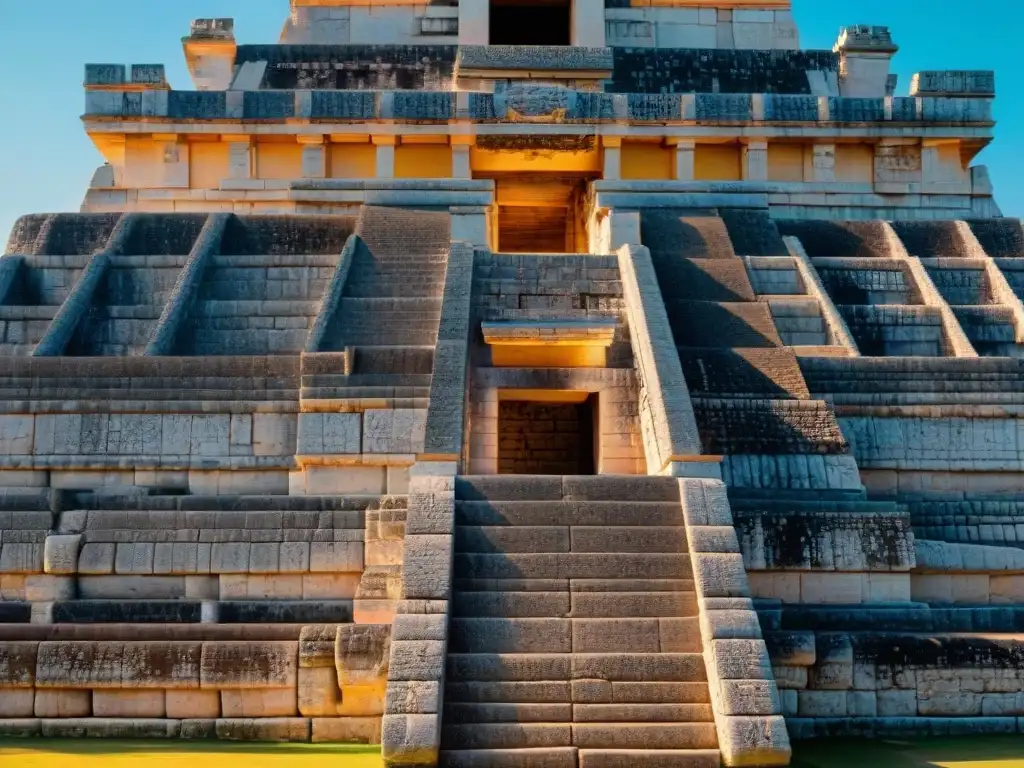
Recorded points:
(953, 83)
(744, 696)
(547, 104)
(667, 417)
(416, 677)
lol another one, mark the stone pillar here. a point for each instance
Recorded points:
(865, 53)
(173, 156)
(588, 29)
(461, 166)
(385, 156)
(823, 164)
(941, 168)
(612, 157)
(239, 157)
(685, 169)
(475, 22)
(314, 157)
(755, 160)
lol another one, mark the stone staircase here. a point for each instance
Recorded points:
(127, 306)
(574, 636)
(257, 304)
(388, 315)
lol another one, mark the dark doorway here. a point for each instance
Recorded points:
(542, 438)
(531, 22)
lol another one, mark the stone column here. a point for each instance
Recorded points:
(239, 157)
(823, 164)
(461, 166)
(174, 168)
(612, 157)
(588, 28)
(314, 157)
(943, 174)
(685, 150)
(755, 160)
(475, 22)
(385, 156)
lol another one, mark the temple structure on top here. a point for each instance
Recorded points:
(519, 384)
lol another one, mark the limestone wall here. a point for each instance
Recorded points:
(880, 684)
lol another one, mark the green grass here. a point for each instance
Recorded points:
(101, 753)
(965, 752)
(959, 752)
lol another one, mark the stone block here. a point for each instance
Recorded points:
(16, 703)
(430, 512)
(896, 703)
(427, 571)
(363, 700)
(249, 665)
(861, 704)
(411, 739)
(193, 705)
(97, 558)
(131, 587)
(111, 728)
(319, 694)
(740, 659)
(63, 703)
(21, 728)
(47, 589)
(60, 554)
(420, 627)
(730, 625)
(413, 697)
(821, 703)
(754, 741)
(417, 660)
(362, 654)
(720, 575)
(149, 704)
(284, 729)
(272, 702)
(336, 556)
(708, 538)
(346, 730)
(745, 697)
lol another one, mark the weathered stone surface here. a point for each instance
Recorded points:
(249, 665)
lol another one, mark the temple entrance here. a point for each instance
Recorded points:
(549, 437)
(540, 213)
(531, 22)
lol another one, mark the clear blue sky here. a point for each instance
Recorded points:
(46, 160)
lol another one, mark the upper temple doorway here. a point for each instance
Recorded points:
(539, 213)
(531, 22)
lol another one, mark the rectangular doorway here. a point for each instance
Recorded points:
(540, 213)
(550, 437)
(531, 22)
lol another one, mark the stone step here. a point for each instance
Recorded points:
(573, 565)
(561, 691)
(575, 513)
(541, 539)
(669, 634)
(506, 736)
(642, 713)
(511, 604)
(464, 585)
(502, 635)
(523, 692)
(649, 758)
(630, 488)
(614, 667)
(458, 713)
(550, 757)
(646, 736)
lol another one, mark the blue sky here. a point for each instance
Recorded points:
(46, 160)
